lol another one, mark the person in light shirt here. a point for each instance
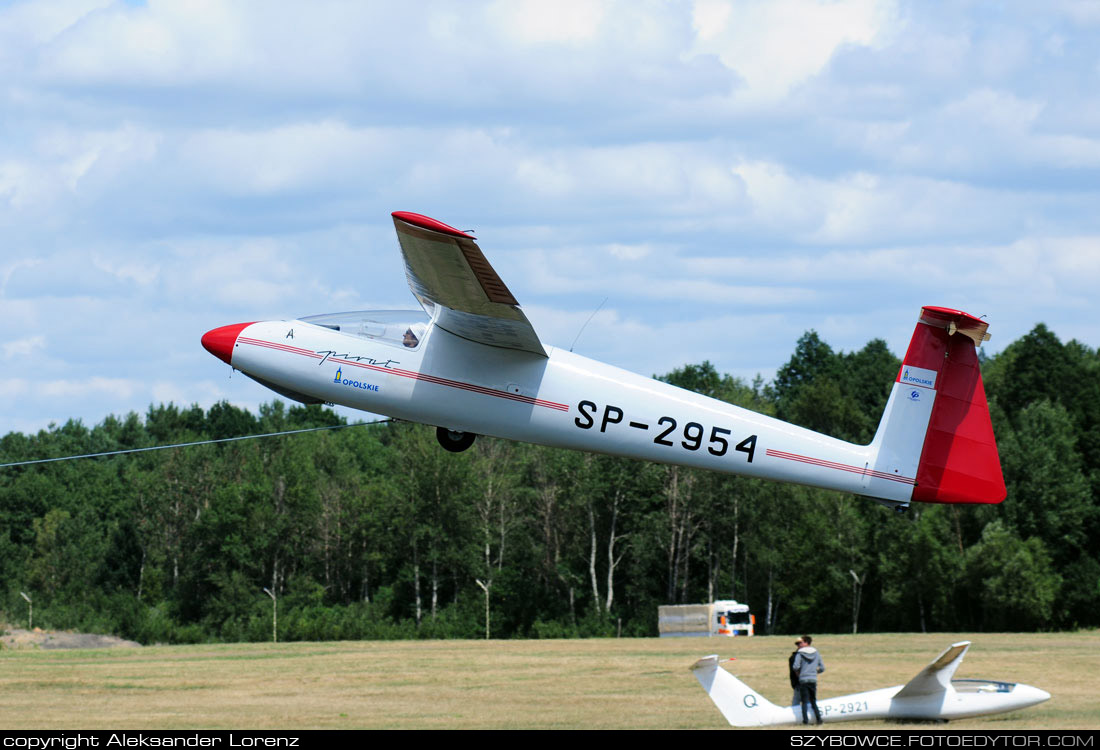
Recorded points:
(808, 664)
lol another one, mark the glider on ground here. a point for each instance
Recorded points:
(930, 696)
(471, 364)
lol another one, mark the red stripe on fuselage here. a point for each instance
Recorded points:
(278, 346)
(434, 379)
(838, 466)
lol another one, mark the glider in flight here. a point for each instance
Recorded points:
(471, 364)
(930, 696)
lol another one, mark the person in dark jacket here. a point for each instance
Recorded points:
(808, 664)
(797, 697)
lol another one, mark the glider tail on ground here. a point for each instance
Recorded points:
(936, 427)
(740, 704)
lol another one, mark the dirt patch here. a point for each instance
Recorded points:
(18, 638)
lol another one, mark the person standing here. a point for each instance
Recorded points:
(808, 664)
(796, 698)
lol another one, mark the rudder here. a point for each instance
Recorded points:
(959, 462)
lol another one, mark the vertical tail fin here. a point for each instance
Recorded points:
(740, 704)
(936, 427)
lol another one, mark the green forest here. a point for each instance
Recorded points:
(374, 531)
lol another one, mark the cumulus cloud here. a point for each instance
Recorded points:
(65, 389)
(774, 45)
(534, 22)
(727, 173)
(24, 347)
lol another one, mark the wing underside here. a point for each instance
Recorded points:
(936, 677)
(456, 285)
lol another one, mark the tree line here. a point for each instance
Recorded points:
(375, 532)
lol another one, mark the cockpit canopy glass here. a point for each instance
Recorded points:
(982, 686)
(404, 328)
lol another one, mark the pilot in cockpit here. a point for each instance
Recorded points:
(410, 340)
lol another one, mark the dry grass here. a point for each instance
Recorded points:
(604, 684)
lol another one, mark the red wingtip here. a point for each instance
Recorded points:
(427, 222)
(220, 341)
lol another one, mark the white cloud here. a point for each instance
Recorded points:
(864, 207)
(142, 273)
(741, 344)
(25, 347)
(1058, 273)
(985, 130)
(537, 22)
(1082, 12)
(163, 41)
(670, 174)
(728, 174)
(69, 389)
(774, 45)
(487, 54)
(291, 157)
(7, 271)
(164, 391)
(252, 274)
(630, 252)
(24, 24)
(15, 179)
(59, 168)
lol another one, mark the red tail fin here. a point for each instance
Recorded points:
(959, 461)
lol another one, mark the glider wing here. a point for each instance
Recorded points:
(936, 677)
(456, 285)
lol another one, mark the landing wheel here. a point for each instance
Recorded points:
(901, 510)
(453, 440)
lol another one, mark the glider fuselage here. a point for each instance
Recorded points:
(471, 364)
(562, 400)
(881, 704)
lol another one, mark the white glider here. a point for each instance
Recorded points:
(471, 364)
(930, 696)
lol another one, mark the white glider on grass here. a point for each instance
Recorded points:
(930, 696)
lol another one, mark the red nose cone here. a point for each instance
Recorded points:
(220, 341)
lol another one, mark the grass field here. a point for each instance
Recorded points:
(599, 684)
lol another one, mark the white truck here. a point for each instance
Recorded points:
(723, 617)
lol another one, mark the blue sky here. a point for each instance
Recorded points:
(727, 174)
